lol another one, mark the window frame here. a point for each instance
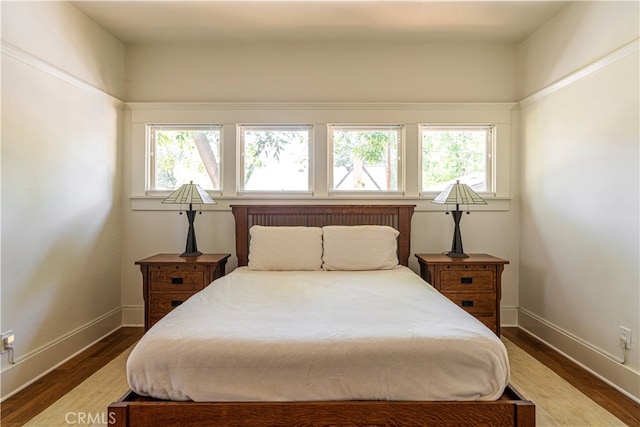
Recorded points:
(490, 157)
(400, 165)
(320, 114)
(240, 164)
(150, 155)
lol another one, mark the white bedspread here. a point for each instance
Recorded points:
(319, 335)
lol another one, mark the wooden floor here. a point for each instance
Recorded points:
(600, 392)
(29, 402)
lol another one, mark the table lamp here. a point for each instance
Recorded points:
(458, 194)
(190, 194)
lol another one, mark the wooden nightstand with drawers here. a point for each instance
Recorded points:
(473, 283)
(169, 279)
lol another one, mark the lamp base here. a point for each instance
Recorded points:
(457, 255)
(191, 250)
(190, 254)
(456, 245)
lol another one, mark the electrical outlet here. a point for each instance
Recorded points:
(7, 340)
(625, 338)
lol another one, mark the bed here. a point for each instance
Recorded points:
(303, 405)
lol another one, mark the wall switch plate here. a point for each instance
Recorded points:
(625, 338)
(7, 340)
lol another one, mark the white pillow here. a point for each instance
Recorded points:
(285, 248)
(359, 247)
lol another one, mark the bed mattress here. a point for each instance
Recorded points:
(319, 336)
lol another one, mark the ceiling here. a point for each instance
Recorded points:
(135, 22)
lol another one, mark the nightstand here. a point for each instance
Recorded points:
(169, 279)
(473, 283)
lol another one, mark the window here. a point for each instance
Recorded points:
(321, 151)
(365, 158)
(451, 153)
(182, 153)
(275, 158)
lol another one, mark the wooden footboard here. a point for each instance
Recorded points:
(509, 410)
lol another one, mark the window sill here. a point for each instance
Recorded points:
(423, 204)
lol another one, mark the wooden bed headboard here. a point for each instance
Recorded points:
(396, 216)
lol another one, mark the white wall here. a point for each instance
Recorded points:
(61, 181)
(576, 37)
(159, 77)
(321, 71)
(579, 234)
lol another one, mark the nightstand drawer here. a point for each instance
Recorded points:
(459, 280)
(170, 279)
(473, 283)
(476, 304)
(162, 303)
(166, 278)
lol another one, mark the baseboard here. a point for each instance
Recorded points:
(32, 366)
(508, 316)
(133, 315)
(617, 375)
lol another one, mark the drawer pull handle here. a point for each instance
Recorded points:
(467, 303)
(466, 280)
(176, 280)
(175, 303)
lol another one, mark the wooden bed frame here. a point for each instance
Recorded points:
(510, 410)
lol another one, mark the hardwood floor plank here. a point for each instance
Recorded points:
(29, 402)
(625, 409)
